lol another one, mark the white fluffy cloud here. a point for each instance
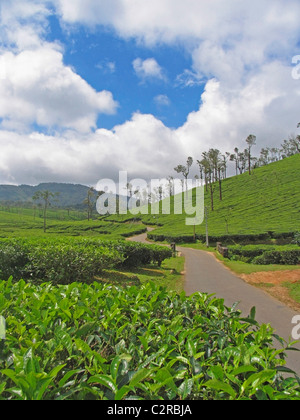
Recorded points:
(148, 69)
(39, 88)
(162, 100)
(36, 87)
(23, 22)
(168, 20)
(266, 105)
(140, 146)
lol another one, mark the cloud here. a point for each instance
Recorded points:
(39, 88)
(148, 69)
(189, 79)
(23, 23)
(146, 148)
(141, 146)
(170, 20)
(162, 100)
(266, 104)
(36, 87)
(107, 67)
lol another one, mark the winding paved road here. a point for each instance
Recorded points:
(204, 273)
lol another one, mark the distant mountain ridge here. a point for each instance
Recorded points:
(70, 195)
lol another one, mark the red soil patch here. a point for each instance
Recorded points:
(273, 283)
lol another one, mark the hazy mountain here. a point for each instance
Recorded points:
(70, 195)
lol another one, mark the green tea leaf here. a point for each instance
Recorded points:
(221, 387)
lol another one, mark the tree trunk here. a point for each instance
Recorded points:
(211, 196)
(220, 184)
(249, 161)
(45, 218)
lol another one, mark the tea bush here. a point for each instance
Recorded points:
(266, 254)
(278, 257)
(82, 341)
(296, 239)
(138, 254)
(70, 259)
(69, 263)
(13, 260)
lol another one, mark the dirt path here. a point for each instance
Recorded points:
(204, 273)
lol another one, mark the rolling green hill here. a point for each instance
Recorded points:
(265, 203)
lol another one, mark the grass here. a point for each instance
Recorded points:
(169, 275)
(294, 290)
(240, 267)
(25, 225)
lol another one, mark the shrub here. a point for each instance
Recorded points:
(159, 254)
(13, 259)
(66, 264)
(296, 239)
(248, 253)
(225, 239)
(61, 262)
(69, 260)
(138, 254)
(291, 257)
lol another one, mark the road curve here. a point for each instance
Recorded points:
(204, 273)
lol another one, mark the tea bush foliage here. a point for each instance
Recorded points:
(266, 254)
(69, 260)
(80, 341)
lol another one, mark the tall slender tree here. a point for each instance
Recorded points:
(46, 198)
(89, 202)
(251, 141)
(235, 158)
(185, 170)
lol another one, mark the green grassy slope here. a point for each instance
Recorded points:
(20, 222)
(268, 200)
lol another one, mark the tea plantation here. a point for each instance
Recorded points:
(72, 336)
(263, 206)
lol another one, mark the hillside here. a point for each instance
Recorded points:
(266, 201)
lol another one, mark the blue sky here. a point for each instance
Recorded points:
(105, 61)
(89, 88)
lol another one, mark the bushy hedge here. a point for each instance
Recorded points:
(70, 260)
(58, 263)
(226, 239)
(296, 239)
(158, 237)
(266, 254)
(66, 264)
(137, 254)
(248, 253)
(134, 232)
(291, 257)
(14, 257)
